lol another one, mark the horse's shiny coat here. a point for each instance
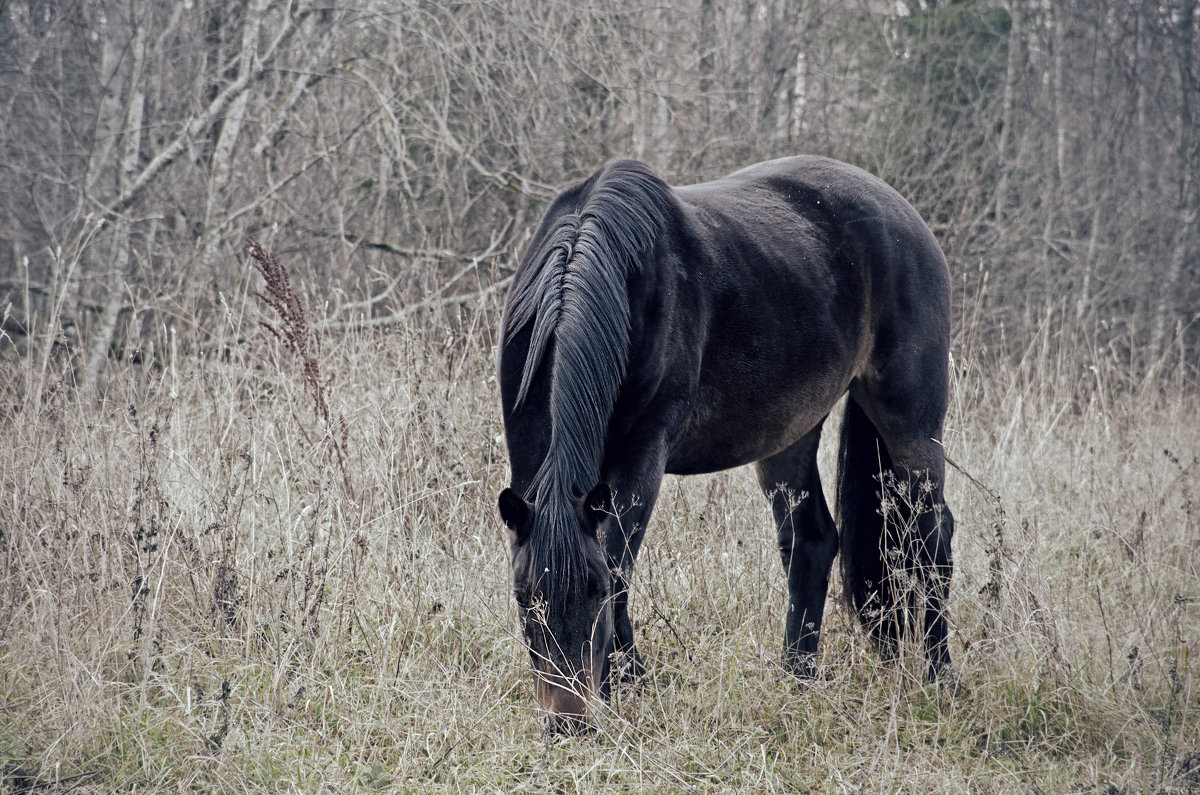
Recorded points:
(654, 330)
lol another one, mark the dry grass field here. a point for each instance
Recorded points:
(194, 596)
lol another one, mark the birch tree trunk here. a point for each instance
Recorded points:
(1012, 67)
(708, 48)
(1058, 21)
(126, 167)
(231, 127)
(798, 124)
(660, 125)
(1188, 148)
(780, 43)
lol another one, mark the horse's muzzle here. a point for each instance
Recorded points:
(569, 707)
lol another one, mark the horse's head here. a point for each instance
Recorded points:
(567, 621)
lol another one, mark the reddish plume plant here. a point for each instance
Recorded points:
(296, 335)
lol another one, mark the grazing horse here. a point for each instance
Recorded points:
(653, 329)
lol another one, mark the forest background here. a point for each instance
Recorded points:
(206, 581)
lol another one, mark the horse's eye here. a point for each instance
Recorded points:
(596, 587)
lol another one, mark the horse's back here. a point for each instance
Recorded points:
(843, 200)
(826, 233)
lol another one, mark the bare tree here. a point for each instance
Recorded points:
(397, 153)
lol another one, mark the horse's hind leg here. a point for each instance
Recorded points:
(921, 565)
(808, 543)
(906, 403)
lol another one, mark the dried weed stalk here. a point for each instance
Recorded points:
(295, 334)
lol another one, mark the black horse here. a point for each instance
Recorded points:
(653, 330)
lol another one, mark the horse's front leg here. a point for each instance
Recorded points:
(633, 501)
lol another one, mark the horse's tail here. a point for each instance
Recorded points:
(862, 460)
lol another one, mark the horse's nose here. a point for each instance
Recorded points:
(568, 707)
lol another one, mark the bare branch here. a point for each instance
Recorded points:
(431, 303)
(196, 126)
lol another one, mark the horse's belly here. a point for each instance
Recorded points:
(730, 426)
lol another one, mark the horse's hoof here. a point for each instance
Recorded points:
(558, 727)
(633, 673)
(800, 666)
(948, 684)
(628, 667)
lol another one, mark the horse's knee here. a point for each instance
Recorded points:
(943, 532)
(814, 543)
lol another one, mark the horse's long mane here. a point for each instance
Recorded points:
(572, 291)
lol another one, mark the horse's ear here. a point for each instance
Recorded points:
(595, 506)
(517, 513)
